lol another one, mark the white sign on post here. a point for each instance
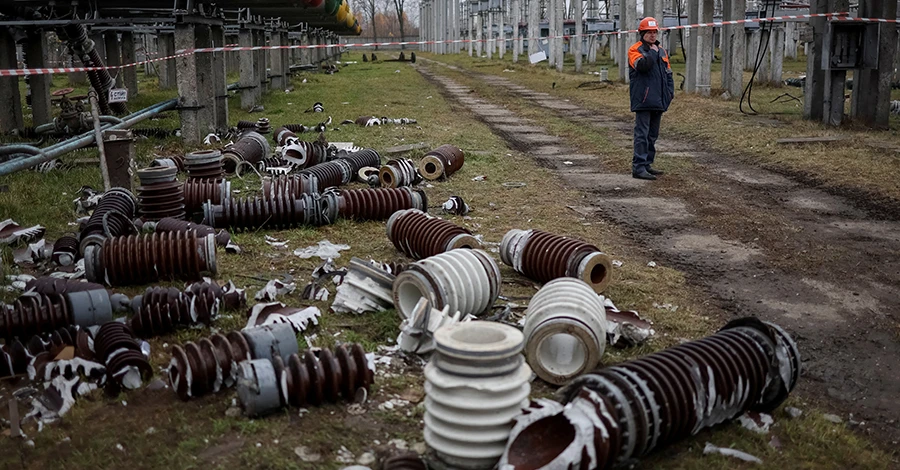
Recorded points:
(118, 95)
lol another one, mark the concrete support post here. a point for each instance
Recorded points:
(258, 72)
(194, 83)
(248, 81)
(733, 53)
(697, 73)
(114, 56)
(219, 82)
(10, 99)
(752, 49)
(814, 89)
(534, 24)
(776, 55)
(490, 35)
(286, 58)
(501, 31)
(470, 33)
(479, 37)
(871, 99)
(275, 59)
(516, 19)
(790, 40)
(168, 69)
(304, 53)
(129, 56)
(551, 32)
(765, 56)
(36, 58)
(263, 69)
(100, 45)
(560, 28)
(577, 37)
(628, 20)
(232, 62)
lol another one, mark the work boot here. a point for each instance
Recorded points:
(655, 172)
(643, 175)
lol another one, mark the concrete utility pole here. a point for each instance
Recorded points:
(697, 72)
(534, 24)
(195, 82)
(479, 36)
(560, 25)
(129, 56)
(501, 33)
(733, 43)
(870, 102)
(628, 20)
(36, 58)
(824, 89)
(577, 37)
(114, 56)
(470, 33)
(516, 19)
(551, 32)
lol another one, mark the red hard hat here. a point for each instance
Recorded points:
(648, 24)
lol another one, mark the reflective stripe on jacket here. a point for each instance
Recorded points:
(650, 78)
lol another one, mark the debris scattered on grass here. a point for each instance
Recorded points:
(273, 289)
(12, 233)
(479, 178)
(617, 263)
(272, 241)
(756, 422)
(276, 312)
(832, 418)
(324, 249)
(793, 412)
(456, 206)
(712, 449)
(651, 264)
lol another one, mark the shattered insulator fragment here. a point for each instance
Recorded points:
(15, 356)
(419, 235)
(366, 288)
(251, 148)
(54, 285)
(372, 203)
(126, 365)
(65, 250)
(544, 256)
(262, 126)
(33, 313)
(207, 366)
(174, 225)
(619, 413)
(404, 461)
(140, 259)
(243, 125)
(175, 161)
(468, 281)
(160, 194)
(283, 133)
(276, 166)
(112, 218)
(399, 172)
(295, 127)
(475, 384)
(302, 154)
(310, 379)
(330, 174)
(441, 162)
(196, 192)
(565, 330)
(204, 164)
(294, 185)
(160, 310)
(455, 206)
(276, 211)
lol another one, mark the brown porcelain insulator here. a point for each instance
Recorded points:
(229, 297)
(15, 355)
(640, 405)
(195, 367)
(405, 461)
(276, 166)
(251, 148)
(204, 164)
(102, 223)
(399, 172)
(176, 161)
(160, 195)
(330, 174)
(419, 235)
(116, 346)
(280, 210)
(196, 192)
(65, 251)
(140, 259)
(246, 125)
(295, 127)
(32, 314)
(543, 256)
(294, 185)
(262, 126)
(378, 203)
(324, 376)
(160, 310)
(174, 225)
(53, 285)
(304, 154)
(363, 158)
(283, 133)
(441, 162)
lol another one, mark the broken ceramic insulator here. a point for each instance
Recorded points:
(399, 172)
(544, 256)
(262, 126)
(330, 174)
(65, 251)
(362, 158)
(294, 185)
(15, 356)
(126, 365)
(468, 281)
(565, 330)
(417, 331)
(365, 288)
(112, 218)
(455, 206)
(622, 412)
(204, 164)
(140, 259)
(283, 133)
(404, 461)
(53, 285)
(244, 125)
(160, 195)
(273, 211)
(175, 161)
(251, 148)
(419, 235)
(372, 203)
(196, 192)
(34, 313)
(302, 380)
(174, 225)
(300, 154)
(160, 310)
(441, 162)
(475, 384)
(207, 366)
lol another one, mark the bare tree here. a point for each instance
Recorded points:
(370, 8)
(398, 6)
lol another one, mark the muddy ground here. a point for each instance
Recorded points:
(824, 266)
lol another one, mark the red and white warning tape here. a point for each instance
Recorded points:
(843, 16)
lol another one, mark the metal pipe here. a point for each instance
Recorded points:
(20, 148)
(82, 140)
(98, 137)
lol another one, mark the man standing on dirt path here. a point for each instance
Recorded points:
(652, 89)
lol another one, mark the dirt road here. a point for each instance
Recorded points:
(760, 243)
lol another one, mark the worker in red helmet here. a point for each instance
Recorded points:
(652, 89)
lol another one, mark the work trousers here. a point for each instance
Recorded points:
(646, 131)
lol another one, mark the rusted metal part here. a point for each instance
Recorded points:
(198, 191)
(169, 224)
(176, 161)
(441, 162)
(160, 194)
(622, 412)
(33, 313)
(112, 218)
(312, 378)
(15, 356)
(294, 185)
(126, 366)
(372, 203)
(280, 210)
(140, 259)
(211, 364)
(399, 172)
(251, 148)
(543, 256)
(404, 461)
(65, 250)
(262, 126)
(419, 235)
(53, 285)
(204, 164)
